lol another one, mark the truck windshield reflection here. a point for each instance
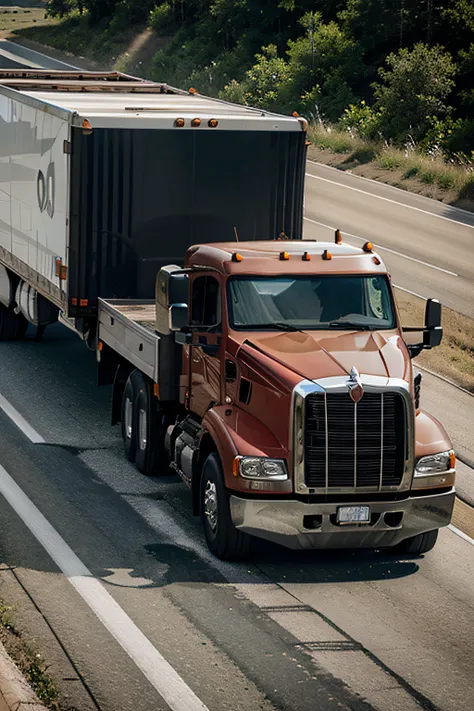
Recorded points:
(294, 303)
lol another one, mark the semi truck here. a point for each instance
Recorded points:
(271, 373)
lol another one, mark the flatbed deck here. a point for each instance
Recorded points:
(129, 328)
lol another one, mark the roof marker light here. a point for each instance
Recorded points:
(192, 90)
(338, 237)
(306, 257)
(196, 122)
(284, 256)
(236, 257)
(376, 260)
(327, 255)
(213, 123)
(368, 247)
(179, 123)
(86, 127)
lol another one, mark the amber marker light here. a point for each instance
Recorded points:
(100, 346)
(192, 90)
(338, 237)
(368, 247)
(196, 122)
(236, 257)
(86, 127)
(284, 256)
(179, 123)
(156, 390)
(236, 466)
(452, 460)
(213, 123)
(306, 257)
(376, 260)
(327, 255)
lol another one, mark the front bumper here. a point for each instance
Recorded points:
(283, 521)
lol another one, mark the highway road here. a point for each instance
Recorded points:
(428, 246)
(111, 580)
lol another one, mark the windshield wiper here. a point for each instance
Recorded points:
(278, 326)
(350, 324)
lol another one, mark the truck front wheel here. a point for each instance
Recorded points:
(223, 539)
(417, 545)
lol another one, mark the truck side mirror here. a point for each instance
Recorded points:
(433, 314)
(178, 317)
(432, 331)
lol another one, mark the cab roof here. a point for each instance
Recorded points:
(284, 257)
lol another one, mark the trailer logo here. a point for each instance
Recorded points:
(356, 391)
(45, 190)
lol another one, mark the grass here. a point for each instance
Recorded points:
(405, 168)
(103, 43)
(16, 18)
(454, 358)
(30, 663)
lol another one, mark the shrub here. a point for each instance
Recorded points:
(361, 119)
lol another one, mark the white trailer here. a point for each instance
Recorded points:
(99, 170)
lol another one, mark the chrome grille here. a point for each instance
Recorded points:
(349, 445)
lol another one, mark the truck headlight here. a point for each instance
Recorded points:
(435, 464)
(260, 468)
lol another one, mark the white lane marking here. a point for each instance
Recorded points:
(387, 249)
(413, 293)
(379, 183)
(395, 202)
(461, 534)
(165, 679)
(20, 422)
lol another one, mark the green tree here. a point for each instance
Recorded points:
(413, 88)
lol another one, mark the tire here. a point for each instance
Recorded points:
(128, 421)
(150, 457)
(9, 324)
(418, 545)
(224, 540)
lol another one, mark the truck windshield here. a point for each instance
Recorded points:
(310, 302)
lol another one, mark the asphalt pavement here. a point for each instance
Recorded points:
(354, 630)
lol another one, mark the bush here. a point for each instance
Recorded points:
(362, 120)
(413, 89)
(161, 18)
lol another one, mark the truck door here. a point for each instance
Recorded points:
(205, 351)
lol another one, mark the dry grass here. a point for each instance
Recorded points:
(454, 358)
(14, 18)
(433, 177)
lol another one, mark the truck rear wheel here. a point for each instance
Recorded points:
(417, 545)
(150, 430)
(12, 326)
(223, 539)
(128, 421)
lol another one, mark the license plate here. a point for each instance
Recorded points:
(353, 514)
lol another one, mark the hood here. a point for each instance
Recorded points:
(320, 354)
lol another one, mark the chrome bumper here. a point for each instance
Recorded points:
(281, 521)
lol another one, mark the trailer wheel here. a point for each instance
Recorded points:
(150, 430)
(223, 539)
(417, 545)
(12, 325)
(128, 420)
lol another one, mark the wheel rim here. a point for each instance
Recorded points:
(128, 418)
(210, 505)
(142, 427)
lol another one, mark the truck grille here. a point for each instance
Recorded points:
(354, 445)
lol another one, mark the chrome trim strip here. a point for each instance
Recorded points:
(381, 442)
(355, 445)
(327, 438)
